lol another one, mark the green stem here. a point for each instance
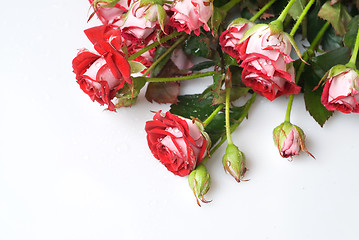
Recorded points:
(353, 58)
(154, 64)
(213, 114)
(173, 79)
(228, 126)
(153, 45)
(289, 108)
(263, 9)
(285, 11)
(301, 17)
(309, 53)
(228, 6)
(233, 127)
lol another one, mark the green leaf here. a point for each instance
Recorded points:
(198, 46)
(158, 68)
(312, 98)
(314, 23)
(191, 106)
(236, 92)
(313, 74)
(202, 65)
(297, 8)
(337, 15)
(331, 41)
(328, 60)
(350, 36)
(136, 67)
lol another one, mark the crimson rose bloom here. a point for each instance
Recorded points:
(341, 90)
(267, 66)
(177, 142)
(101, 75)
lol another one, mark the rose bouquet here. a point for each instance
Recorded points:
(151, 44)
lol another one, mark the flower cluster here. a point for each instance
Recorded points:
(153, 43)
(128, 27)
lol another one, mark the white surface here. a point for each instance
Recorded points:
(69, 170)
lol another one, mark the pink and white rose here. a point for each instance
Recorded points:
(190, 15)
(109, 15)
(229, 39)
(341, 91)
(140, 22)
(266, 63)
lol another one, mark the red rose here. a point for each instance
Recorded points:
(101, 76)
(177, 142)
(341, 90)
(267, 66)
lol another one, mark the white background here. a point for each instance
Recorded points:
(70, 170)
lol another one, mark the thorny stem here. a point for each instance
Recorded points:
(301, 17)
(173, 79)
(213, 114)
(263, 9)
(154, 64)
(153, 45)
(233, 127)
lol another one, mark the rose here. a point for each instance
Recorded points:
(229, 39)
(341, 90)
(101, 75)
(140, 22)
(289, 140)
(177, 142)
(109, 12)
(190, 15)
(267, 66)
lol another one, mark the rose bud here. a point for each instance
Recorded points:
(177, 142)
(289, 140)
(234, 162)
(341, 90)
(229, 39)
(267, 66)
(190, 15)
(109, 11)
(199, 181)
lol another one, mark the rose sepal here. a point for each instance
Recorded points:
(199, 180)
(234, 162)
(251, 31)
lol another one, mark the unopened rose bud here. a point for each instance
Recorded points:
(199, 181)
(289, 140)
(234, 162)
